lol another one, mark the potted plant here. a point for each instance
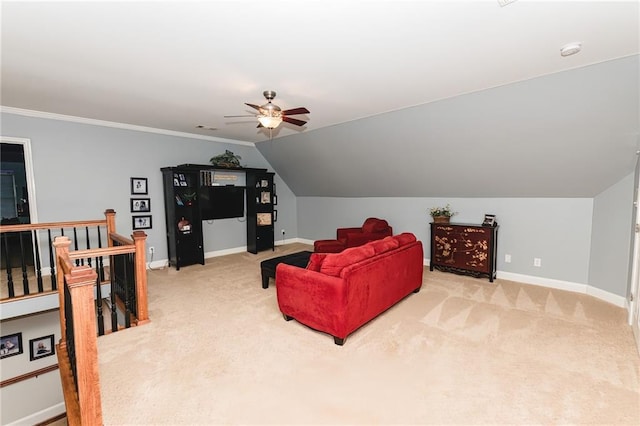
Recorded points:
(441, 214)
(226, 160)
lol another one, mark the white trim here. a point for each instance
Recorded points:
(565, 285)
(42, 415)
(560, 285)
(24, 306)
(94, 122)
(28, 168)
(242, 249)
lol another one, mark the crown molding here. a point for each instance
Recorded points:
(113, 124)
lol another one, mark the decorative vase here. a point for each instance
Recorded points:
(441, 219)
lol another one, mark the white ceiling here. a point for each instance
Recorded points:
(176, 65)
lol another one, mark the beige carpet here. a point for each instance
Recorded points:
(461, 351)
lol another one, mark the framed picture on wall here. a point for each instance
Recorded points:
(139, 185)
(489, 220)
(10, 345)
(141, 222)
(41, 347)
(140, 205)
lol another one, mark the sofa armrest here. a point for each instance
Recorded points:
(311, 297)
(342, 233)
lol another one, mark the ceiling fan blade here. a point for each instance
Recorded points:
(294, 111)
(294, 121)
(253, 106)
(259, 125)
(233, 116)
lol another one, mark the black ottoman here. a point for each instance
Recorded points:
(268, 267)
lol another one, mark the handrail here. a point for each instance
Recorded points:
(48, 225)
(28, 249)
(78, 350)
(29, 375)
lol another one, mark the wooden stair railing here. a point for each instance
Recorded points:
(100, 234)
(28, 256)
(78, 348)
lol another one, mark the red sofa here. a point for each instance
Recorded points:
(372, 229)
(339, 292)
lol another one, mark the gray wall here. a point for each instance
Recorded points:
(557, 230)
(81, 170)
(93, 165)
(45, 391)
(611, 237)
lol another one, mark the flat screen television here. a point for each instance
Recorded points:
(221, 202)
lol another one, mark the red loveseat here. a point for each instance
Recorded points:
(372, 229)
(339, 292)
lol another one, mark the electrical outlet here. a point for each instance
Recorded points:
(507, 258)
(283, 232)
(537, 262)
(152, 250)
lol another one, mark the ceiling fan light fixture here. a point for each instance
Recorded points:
(270, 121)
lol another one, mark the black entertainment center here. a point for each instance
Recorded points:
(194, 193)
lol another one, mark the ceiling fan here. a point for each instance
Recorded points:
(270, 115)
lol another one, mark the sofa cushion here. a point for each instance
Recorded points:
(383, 245)
(405, 238)
(334, 262)
(315, 261)
(374, 225)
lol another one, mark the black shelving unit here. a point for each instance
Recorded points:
(188, 194)
(183, 221)
(260, 217)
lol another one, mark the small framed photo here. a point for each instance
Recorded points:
(265, 197)
(10, 345)
(141, 222)
(489, 220)
(139, 185)
(264, 183)
(140, 205)
(264, 219)
(41, 347)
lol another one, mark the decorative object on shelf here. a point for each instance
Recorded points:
(10, 345)
(41, 347)
(227, 160)
(139, 185)
(442, 214)
(489, 220)
(184, 226)
(264, 219)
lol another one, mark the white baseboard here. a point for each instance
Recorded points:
(565, 285)
(242, 249)
(560, 285)
(41, 416)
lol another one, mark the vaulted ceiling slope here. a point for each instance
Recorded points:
(416, 91)
(570, 134)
